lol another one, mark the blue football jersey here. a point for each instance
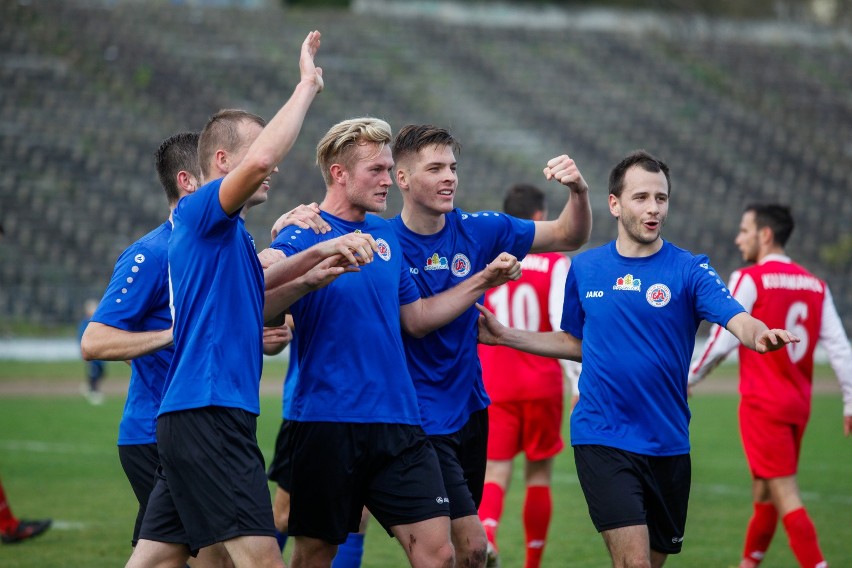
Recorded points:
(137, 299)
(351, 364)
(217, 296)
(444, 364)
(637, 318)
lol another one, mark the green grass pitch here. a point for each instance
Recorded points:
(58, 459)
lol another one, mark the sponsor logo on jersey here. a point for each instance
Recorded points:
(139, 258)
(436, 262)
(658, 295)
(594, 294)
(460, 266)
(627, 282)
(384, 249)
(536, 263)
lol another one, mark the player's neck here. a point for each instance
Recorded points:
(342, 209)
(422, 222)
(633, 249)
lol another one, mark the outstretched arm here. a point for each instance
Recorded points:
(101, 342)
(428, 314)
(556, 344)
(276, 139)
(573, 227)
(754, 334)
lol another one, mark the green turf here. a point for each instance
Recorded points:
(58, 459)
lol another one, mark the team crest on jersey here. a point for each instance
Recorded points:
(139, 258)
(627, 282)
(436, 262)
(461, 265)
(384, 249)
(658, 295)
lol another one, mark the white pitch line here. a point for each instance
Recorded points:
(39, 447)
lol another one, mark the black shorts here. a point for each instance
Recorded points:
(279, 468)
(140, 463)
(463, 456)
(337, 468)
(211, 485)
(625, 489)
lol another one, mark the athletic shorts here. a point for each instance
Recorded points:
(771, 445)
(624, 489)
(279, 468)
(338, 467)
(530, 426)
(462, 456)
(211, 484)
(140, 463)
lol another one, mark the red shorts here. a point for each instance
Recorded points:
(771, 445)
(530, 426)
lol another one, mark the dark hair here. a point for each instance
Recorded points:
(775, 216)
(523, 200)
(221, 132)
(636, 158)
(413, 138)
(176, 153)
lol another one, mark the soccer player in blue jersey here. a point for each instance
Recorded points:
(211, 485)
(443, 246)
(133, 322)
(356, 437)
(632, 308)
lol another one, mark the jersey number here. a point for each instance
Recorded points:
(794, 323)
(520, 310)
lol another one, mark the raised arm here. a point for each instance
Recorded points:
(573, 228)
(276, 139)
(428, 314)
(101, 342)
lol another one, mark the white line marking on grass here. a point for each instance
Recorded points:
(745, 491)
(39, 447)
(68, 525)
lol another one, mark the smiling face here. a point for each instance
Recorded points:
(641, 210)
(428, 180)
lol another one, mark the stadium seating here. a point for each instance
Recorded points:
(91, 88)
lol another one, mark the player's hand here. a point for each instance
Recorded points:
(773, 340)
(277, 335)
(357, 248)
(270, 256)
(490, 330)
(565, 171)
(502, 269)
(304, 216)
(326, 271)
(310, 73)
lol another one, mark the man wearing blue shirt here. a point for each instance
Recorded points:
(443, 246)
(632, 308)
(133, 323)
(356, 437)
(211, 485)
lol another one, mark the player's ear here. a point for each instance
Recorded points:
(338, 173)
(402, 178)
(614, 206)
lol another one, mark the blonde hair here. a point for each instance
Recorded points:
(339, 143)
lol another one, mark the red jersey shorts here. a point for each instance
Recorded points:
(771, 443)
(530, 426)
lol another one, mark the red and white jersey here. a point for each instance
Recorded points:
(784, 295)
(533, 302)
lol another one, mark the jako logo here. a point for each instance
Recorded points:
(594, 294)
(441, 500)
